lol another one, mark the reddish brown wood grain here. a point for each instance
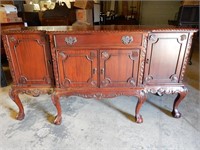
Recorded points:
(98, 62)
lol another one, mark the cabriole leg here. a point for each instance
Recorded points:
(141, 99)
(181, 95)
(14, 95)
(56, 101)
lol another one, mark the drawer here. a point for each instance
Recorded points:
(98, 39)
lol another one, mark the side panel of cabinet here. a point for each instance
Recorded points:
(29, 55)
(77, 68)
(165, 56)
(119, 68)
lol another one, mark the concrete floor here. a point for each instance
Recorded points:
(108, 124)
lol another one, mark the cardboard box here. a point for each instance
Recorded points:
(190, 2)
(84, 4)
(3, 17)
(84, 15)
(9, 17)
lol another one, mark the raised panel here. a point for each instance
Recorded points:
(77, 68)
(30, 55)
(164, 57)
(119, 68)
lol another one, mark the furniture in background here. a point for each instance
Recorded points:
(188, 16)
(60, 15)
(98, 62)
(31, 18)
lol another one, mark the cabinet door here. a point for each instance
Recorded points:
(165, 56)
(119, 68)
(30, 58)
(77, 68)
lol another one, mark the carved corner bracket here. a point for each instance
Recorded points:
(165, 90)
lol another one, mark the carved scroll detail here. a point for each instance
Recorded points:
(131, 81)
(148, 78)
(66, 82)
(22, 80)
(91, 56)
(133, 55)
(105, 55)
(183, 37)
(37, 92)
(12, 39)
(100, 95)
(92, 82)
(34, 92)
(174, 78)
(165, 90)
(152, 38)
(63, 55)
(105, 82)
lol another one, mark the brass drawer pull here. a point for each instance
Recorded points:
(127, 39)
(70, 40)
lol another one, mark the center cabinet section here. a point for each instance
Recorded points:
(119, 68)
(97, 59)
(77, 68)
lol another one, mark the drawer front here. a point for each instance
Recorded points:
(123, 39)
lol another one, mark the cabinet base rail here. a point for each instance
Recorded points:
(140, 93)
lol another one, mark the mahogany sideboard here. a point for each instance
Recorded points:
(98, 62)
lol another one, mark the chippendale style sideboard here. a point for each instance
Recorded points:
(98, 62)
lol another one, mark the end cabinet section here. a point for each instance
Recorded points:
(29, 58)
(166, 57)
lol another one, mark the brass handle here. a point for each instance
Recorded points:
(127, 39)
(70, 40)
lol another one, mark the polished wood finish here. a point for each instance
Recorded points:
(167, 59)
(98, 62)
(30, 59)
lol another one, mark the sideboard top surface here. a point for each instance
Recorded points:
(107, 28)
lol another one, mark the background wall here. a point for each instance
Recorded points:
(158, 12)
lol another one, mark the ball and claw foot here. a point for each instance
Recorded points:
(139, 118)
(20, 116)
(58, 120)
(176, 113)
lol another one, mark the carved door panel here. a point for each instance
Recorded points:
(77, 68)
(119, 68)
(165, 55)
(30, 59)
